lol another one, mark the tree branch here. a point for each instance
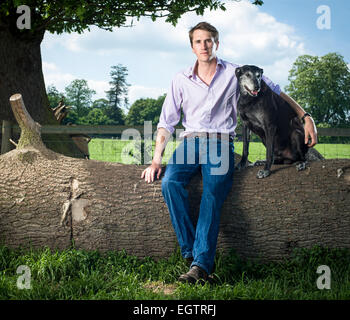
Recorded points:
(30, 130)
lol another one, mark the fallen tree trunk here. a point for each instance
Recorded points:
(47, 199)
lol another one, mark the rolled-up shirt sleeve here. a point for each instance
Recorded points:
(171, 110)
(275, 87)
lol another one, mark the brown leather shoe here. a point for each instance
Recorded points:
(195, 274)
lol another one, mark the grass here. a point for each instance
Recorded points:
(112, 150)
(74, 274)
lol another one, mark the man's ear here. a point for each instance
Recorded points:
(217, 45)
(238, 72)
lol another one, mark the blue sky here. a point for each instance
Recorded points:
(271, 36)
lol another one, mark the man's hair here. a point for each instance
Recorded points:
(207, 27)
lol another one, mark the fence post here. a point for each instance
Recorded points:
(6, 136)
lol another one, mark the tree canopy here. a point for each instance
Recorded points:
(145, 109)
(76, 16)
(322, 86)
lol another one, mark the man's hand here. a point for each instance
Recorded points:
(309, 126)
(149, 172)
(163, 136)
(310, 132)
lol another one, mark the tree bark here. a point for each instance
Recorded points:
(21, 71)
(47, 199)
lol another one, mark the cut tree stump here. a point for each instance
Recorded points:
(48, 199)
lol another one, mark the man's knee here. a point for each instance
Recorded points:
(169, 183)
(218, 186)
(165, 182)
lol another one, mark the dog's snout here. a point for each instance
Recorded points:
(256, 85)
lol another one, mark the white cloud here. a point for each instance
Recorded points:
(138, 92)
(49, 67)
(54, 76)
(100, 87)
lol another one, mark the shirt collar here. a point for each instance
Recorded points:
(190, 71)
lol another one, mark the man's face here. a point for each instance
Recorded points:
(203, 45)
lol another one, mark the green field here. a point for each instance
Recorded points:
(74, 275)
(112, 150)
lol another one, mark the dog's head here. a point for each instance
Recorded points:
(249, 79)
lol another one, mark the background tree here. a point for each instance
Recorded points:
(96, 116)
(79, 97)
(145, 110)
(322, 86)
(54, 96)
(100, 104)
(20, 55)
(117, 95)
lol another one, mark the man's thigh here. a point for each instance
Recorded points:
(184, 162)
(218, 171)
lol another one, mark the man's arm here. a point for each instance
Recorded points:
(168, 119)
(309, 127)
(162, 139)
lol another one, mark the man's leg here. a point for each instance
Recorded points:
(216, 186)
(177, 175)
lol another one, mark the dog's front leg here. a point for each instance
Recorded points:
(245, 135)
(270, 138)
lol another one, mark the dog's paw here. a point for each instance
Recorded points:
(263, 174)
(259, 163)
(301, 166)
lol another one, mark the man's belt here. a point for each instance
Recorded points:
(211, 135)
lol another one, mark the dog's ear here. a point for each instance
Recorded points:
(238, 72)
(262, 71)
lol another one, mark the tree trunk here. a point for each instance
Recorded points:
(47, 199)
(21, 71)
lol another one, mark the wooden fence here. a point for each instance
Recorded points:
(9, 130)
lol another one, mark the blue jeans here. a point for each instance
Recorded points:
(192, 155)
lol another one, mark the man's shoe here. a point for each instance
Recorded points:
(195, 274)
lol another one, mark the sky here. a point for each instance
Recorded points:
(271, 36)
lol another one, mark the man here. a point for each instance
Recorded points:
(208, 94)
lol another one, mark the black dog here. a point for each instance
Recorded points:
(270, 117)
